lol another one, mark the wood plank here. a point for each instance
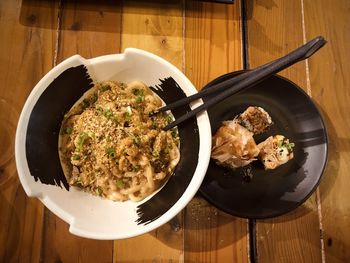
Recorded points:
(155, 27)
(330, 88)
(213, 40)
(26, 54)
(163, 244)
(89, 29)
(59, 245)
(212, 235)
(274, 28)
(212, 48)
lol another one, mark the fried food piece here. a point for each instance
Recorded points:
(233, 146)
(275, 151)
(255, 119)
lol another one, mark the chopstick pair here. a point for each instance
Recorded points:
(242, 81)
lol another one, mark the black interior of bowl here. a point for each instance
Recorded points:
(270, 193)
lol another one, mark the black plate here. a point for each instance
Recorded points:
(270, 193)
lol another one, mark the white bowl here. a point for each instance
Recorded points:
(37, 159)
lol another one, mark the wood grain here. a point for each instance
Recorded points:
(164, 244)
(330, 88)
(212, 48)
(203, 40)
(26, 54)
(275, 28)
(213, 40)
(212, 235)
(89, 29)
(155, 27)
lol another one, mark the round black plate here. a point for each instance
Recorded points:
(270, 192)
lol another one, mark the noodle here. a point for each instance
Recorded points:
(110, 145)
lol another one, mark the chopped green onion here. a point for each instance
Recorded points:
(85, 104)
(99, 191)
(155, 153)
(111, 152)
(81, 140)
(137, 139)
(76, 157)
(93, 98)
(128, 111)
(100, 110)
(66, 130)
(120, 183)
(279, 143)
(108, 113)
(136, 168)
(91, 134)
(140, 99)
(169, 118)
(137, 92)
(154, 124)
(174, 133)
(78, 181)
(105, 87)
(289, 146)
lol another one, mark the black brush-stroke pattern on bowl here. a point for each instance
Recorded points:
(160, 203)
(270, 193)
(43, 131)
(45, 121)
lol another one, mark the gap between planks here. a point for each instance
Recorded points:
(309, 92)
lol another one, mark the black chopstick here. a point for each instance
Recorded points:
(254, 76)
(205, 92)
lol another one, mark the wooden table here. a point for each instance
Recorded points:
(204, 40)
